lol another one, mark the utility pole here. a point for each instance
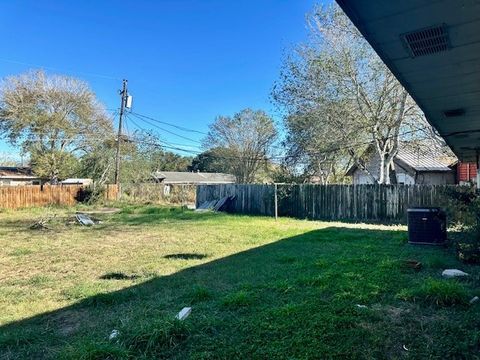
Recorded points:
(123, 94)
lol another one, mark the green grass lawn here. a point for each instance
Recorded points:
(258, 289)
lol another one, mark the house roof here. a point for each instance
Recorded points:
(17, 172)
(77, 181)
(177, 177)
(421, 162)
(418, 161)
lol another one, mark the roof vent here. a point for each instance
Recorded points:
(454, 112)
(427, 41)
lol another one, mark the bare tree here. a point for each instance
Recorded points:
(52, 118)
(243, 142)
(338, 90)
(7, 159)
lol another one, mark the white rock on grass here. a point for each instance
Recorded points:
(182, 315)
(474, 300)
(450, 273)
(113, 334)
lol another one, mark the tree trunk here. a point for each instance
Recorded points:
(383, 171)
(393, 176)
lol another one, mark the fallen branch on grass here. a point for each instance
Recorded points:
(41, 224)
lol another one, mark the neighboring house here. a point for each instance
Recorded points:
(192, 178)
(410, 168)
(75, 181)
(18, 175)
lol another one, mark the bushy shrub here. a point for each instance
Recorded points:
(461, 204)
(90, 194)
(468, 245)
(463, 208)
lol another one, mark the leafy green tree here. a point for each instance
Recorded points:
(245, 140)
(99, 163)
(168, 161)
(212, 160)
(54, 164)
(53, 118)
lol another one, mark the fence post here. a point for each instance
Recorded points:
(276, 202)
(183, 195)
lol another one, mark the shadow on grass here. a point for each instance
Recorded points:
(118, 276)
(295, 298)
(186, 256)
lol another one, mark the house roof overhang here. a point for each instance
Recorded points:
(445, 83)
(18, 177)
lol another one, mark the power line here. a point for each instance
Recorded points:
(165, 130)
(170, 146)
(143, 117)
(170, 124)
(163, 141)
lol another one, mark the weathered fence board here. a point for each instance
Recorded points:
(376, 203)
(14, 197)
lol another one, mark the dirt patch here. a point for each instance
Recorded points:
(393, 313)
(68, 322)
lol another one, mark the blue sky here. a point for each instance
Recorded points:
(186, 61)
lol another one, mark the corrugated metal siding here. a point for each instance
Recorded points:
(421, 162)
(176, 177)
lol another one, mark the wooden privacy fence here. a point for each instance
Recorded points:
(14, 197)
(378, 203)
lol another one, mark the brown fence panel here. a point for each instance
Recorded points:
(111, 192)
(15, 197)
(374, 203)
